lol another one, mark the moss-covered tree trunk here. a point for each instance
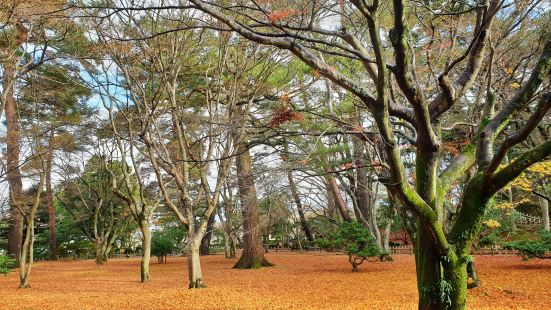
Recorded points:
(427, 257)
(253, 251)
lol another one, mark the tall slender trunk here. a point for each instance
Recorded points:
(253, 252)
(337, 198)
(300, 209)
(544, 205)
(194, 264)
(50, 201)
(332, 212)
(363, 190)
(15, 235)
(386, 237)
(146, 255)
(26, 255)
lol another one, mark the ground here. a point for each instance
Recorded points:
(298, 281)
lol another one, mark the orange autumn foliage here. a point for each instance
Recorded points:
(298, 281)
(279, 15)
(283, 115)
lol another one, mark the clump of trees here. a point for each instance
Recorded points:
(283, 120)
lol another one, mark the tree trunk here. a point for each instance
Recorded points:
(300, 209)
(194, 266)
(363, 192)
(101, 251)
(146, 255)
(253, 252)
(26, 255)
(337, 198)
(427, 258)
(332, 213)
(352, 261)
(229, 245)
(205, 241)
(50, 202)
(455, 274)
(472, 277)
(544, 204)
(386, 239)
(15, 235)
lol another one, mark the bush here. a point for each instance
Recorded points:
(533, 248)
(161, 246)
(353, 239)
(6, 264)
(80, 249)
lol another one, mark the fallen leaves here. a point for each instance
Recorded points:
(298, 281)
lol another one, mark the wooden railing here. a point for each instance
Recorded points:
(497, 250)
(527, 219)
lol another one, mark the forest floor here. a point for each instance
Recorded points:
(298, 281)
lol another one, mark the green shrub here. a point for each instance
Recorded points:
(353, 239)
(79, 249)
(533, 248)
(6, 264)
(161, 246)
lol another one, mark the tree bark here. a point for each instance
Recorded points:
(15, 235)
(472, 275)
(194, 266)
(253, 252)
(50, 201)
(386, 237)
(101, 249)
(146, 255)
(300, 209)
(337, 198)
(544, 205)
(205, 241)
(26, 255)
(363, 191)
(427, 259)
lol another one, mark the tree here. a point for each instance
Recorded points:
(355, 240)
(253, 251)
(29, 37)
(98, 212)
(162, 246)
(53, 94)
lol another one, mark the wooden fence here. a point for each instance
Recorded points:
(481, 251)
(527, 219)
